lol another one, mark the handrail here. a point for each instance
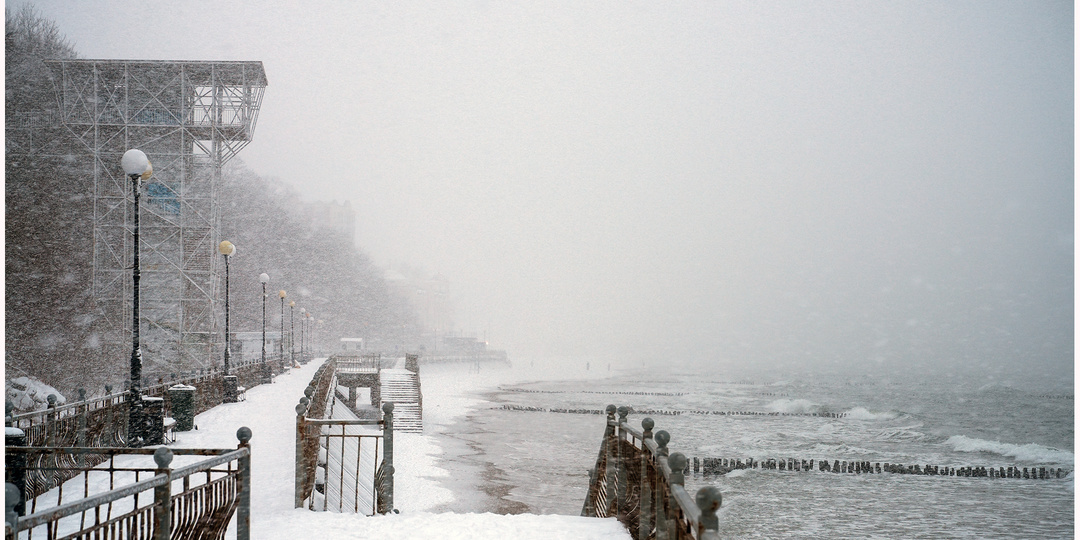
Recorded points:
(636, 480)
(205, 507)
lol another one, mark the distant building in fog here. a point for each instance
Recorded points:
(338, 217)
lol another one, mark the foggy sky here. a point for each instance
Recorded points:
(882, 183)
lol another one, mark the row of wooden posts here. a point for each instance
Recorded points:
(711, 466)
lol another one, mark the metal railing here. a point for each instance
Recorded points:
(637, 481)
(196, 500)
(326, 448)
(103, 421)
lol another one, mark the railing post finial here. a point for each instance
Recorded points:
(243, 435)
(662, 438)
(646, 427)
(610, 410)
(677, 462)
(623, 411)
(163, 457)
(709, 500)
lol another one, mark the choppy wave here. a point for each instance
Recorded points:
(861, 413)
(1030, 452)
(801, 406)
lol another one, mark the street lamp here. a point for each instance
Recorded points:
(264, 279)
(281, 337)
(292, 332)
(303, 317)
(138, 168)
(227, 249)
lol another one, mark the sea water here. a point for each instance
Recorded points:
(536, 461)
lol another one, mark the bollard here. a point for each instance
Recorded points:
(163, 496)
(243, 511)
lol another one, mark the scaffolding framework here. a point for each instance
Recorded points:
(189, 118)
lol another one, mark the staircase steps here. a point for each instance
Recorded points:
(402, 388)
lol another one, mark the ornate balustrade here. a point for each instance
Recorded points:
(196, 500)
(637, 481)
(330, 449)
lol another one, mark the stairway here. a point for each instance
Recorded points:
(402, 388)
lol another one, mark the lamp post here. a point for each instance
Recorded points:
(227, 249)
(292, 332)
(303, 317)
(310, 335)
(281, 337)
(138, 168)
(264, 279)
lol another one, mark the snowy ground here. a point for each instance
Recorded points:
(268, 411)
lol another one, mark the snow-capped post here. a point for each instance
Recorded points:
(623, 463)
(298, 471)
(163, 495)
(709, 499)
(243, 466)
(645, 495)
(138, 168)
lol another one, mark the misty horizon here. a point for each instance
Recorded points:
(840, 184)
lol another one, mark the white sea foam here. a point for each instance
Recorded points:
(797, 406)
(861, 413)
(1030, 452)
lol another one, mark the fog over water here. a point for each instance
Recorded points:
(886, 184)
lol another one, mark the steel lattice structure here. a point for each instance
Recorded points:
(189, 118)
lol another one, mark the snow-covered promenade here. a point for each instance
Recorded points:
(268, 411)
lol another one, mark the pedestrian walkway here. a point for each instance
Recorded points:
(269, 412)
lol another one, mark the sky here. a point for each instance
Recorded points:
(774, 183)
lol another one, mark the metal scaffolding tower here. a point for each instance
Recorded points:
(189, 118)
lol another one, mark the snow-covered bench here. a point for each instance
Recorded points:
(170, 435)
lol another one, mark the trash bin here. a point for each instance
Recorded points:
(153, 420)
(183, 406)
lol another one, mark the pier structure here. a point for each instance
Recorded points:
(189, 118)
